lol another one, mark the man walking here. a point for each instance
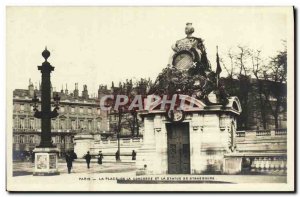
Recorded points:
(133, 155)
(69, 160)
(88, 159)
(117, 155)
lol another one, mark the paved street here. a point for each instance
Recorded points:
(125, 169)
(115, 176)
(26, 168)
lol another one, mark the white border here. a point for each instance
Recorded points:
(104, 3)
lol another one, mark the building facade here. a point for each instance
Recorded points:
(77, 113)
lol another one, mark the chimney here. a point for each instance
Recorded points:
(101, 91)
(62, 89)
(85, 93)
(30, 88)
(66, 90)
(76, 92)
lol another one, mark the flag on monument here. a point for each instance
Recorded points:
(219, 69)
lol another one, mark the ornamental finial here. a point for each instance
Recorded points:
(46, 53)
(189, 29)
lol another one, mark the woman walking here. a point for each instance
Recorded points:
(100, 157)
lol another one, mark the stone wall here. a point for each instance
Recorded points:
(208, 143)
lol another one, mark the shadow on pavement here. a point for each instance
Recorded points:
(21, 173)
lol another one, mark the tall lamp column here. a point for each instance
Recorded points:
(46, 153)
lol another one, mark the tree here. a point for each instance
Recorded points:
(266, 95)
(243, 75)
(229, 69)
(258, 68)
(128, 118)
(238, 81)
(241, 59)
(275, 92)
(141, 88)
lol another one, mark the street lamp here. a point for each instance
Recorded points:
(46, 152)
(111, 103)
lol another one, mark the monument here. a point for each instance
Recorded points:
(189, 140)
(83, 142)
(45, 161)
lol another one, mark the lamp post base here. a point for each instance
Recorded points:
(46, 161)
(45, 173)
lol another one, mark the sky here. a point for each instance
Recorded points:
(97, 45)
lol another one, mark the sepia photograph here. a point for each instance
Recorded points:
(150, 99)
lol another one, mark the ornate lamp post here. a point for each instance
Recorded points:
(120, 111)
(46, 153)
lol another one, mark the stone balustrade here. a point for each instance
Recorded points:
(269, 163)
(252, 133)
(261, 141)
(111, 146)
(123, 141)
(259, 151)
(256, 163)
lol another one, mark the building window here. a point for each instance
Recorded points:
(57, 139)
(89, 110)
(22, 123)
(52, 123)
(72, 109)
(37, 123)
(22, 107)
(21, 139)
(16, 139)
(90, 125)
(70, 139)
(27, 107)
(26, 139)
(15, 122)
(37, 139)
(81, 124)
(31, 123)
(31, 139)
(81, 110)
(98, 125)
(62, 124)
(62, 109)
(73, 124)
(98, 111)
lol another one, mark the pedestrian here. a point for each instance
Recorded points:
(32, 156)
(133, 155)
(100, 157)
(22, 156)
(69, 160)
(74, 155)
(117, 155)
(88, 159)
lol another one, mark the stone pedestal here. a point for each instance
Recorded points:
(211, 131)
(46, 161)
(143, 163)
(83, 143)
(232, 165)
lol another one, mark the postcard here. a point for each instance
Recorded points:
(147, 99)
